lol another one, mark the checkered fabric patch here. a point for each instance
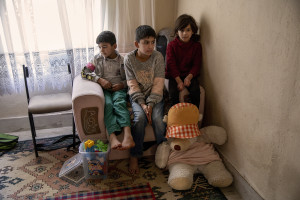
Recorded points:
(181, 105)
(184, 131)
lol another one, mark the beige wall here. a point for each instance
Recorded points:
(13, 106)
(251, 75)
(165, 13)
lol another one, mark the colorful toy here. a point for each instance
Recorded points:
(87, 71)
(90, 146)
(190, 150)
(96, 167)
(100, 146)
(91, 66)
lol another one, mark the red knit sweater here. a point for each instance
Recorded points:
(183, 58)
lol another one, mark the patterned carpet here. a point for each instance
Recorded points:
(25, 177)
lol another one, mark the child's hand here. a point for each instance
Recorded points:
(187, 80)
(117, 87)
(144, 106)
(149, 114)
(146, 110)
(180, 86)
(104, 83)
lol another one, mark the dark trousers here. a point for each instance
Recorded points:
(193, 89)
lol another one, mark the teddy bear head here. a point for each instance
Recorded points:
(182, 126)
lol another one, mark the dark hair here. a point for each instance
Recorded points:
(144, 31)
(106, 36)
(183, 21)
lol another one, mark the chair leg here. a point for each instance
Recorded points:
(74, 133)
(33, 133)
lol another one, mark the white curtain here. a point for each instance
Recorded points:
(46, 35)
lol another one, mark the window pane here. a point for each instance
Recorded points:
(13, 26)
(48, 26)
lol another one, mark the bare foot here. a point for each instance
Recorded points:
(134, 165)
(128, 140)
(114, 142)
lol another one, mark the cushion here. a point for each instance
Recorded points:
(50, 103)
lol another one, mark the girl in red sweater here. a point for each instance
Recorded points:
(184, 56)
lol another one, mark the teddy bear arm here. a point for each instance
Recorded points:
(213, 134)
(162, 155)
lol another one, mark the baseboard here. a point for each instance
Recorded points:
(240, 184)
(17, 124)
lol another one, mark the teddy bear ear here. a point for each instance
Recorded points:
(165, 119)
(200, 117)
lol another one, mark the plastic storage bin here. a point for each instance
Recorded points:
(95, 164)
(72, 168)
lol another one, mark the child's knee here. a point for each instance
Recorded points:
(157, 113)
(108, 105)
(120, 103)
(141, 118)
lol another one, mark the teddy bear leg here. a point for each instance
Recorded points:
(217, 175)
(181, 176)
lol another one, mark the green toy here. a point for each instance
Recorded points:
(100, 146)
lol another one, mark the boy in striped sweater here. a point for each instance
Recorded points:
(145, 74)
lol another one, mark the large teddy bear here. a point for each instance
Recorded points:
(190, 150)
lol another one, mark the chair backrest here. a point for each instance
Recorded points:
(161, 45)
(164, 36)
(70, 72)
(26, 75)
